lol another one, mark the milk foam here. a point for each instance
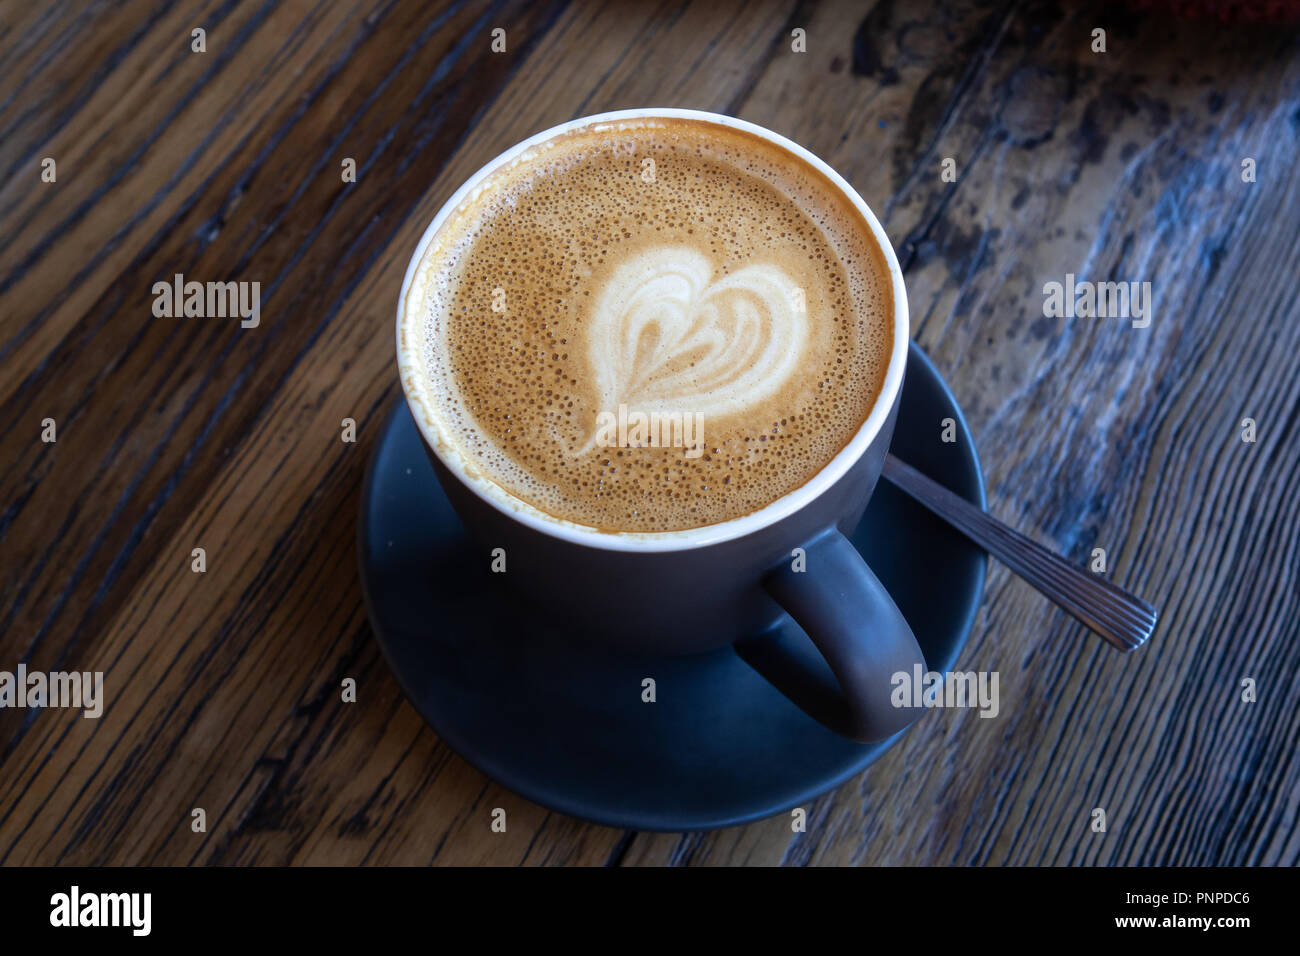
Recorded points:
(664, 337)
(739, 286)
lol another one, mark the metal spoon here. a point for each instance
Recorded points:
(1123, 620)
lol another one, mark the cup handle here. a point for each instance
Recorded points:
(858, 630)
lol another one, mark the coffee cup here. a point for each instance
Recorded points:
(725, 583)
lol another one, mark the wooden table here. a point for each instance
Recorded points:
(223, 687)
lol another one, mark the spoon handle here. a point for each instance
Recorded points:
(1125, 621)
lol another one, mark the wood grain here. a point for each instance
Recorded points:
(183, 433)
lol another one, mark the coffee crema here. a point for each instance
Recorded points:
(673, 273)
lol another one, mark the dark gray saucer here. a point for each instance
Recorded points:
(563, 724)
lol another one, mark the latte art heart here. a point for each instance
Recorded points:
(666, 337)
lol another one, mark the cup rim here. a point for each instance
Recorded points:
(422, 409)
